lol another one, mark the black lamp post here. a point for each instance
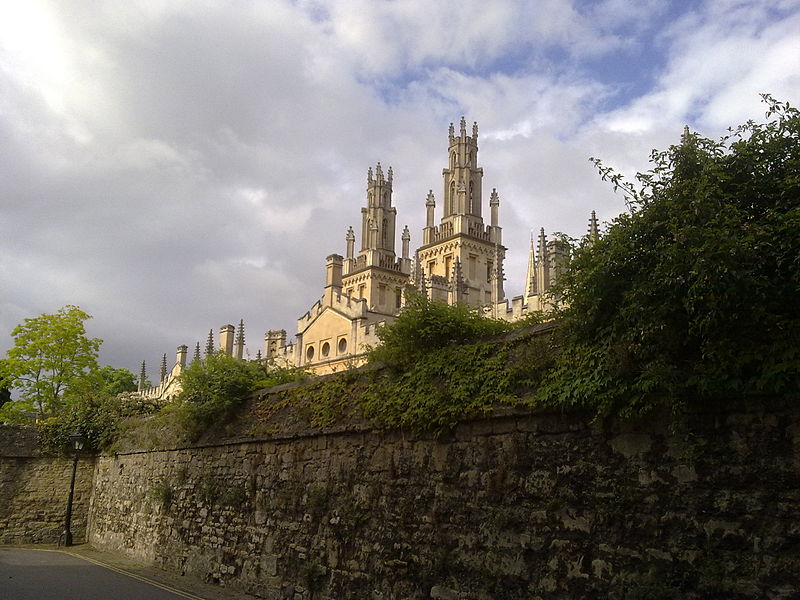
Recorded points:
(76, 440)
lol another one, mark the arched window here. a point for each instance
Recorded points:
(452, 198)
(471, 197)
(385, 233)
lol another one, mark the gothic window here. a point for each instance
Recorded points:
(452, 198)
(452, 161)
(489, 266)
(398, 297)
(384, 233)
(471, 196)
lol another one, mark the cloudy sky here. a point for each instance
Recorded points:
(172, 166)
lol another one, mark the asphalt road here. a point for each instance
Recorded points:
(53, 575)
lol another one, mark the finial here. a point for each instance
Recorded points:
(452, 133)
(475, 131)
(406, 236)
(390, 175)
(350, 236)
(196, 355)
(429, 201)
(378, 172)
(258, 355)
(240, 333)
(369, 175)
(463, 127)
(594, 233)
(494, 199)
(142, 378)
(210, 342)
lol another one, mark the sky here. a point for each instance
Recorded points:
(173, 166)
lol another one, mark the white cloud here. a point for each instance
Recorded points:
(171, 166)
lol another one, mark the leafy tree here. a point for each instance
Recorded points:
(696, 291)
(50, 351)
(105, 381)
(425, 325)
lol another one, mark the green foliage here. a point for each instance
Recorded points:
(695, 292)
(212, 389)
(163, 493)
(50, 353)
(425, 326)
(440, 388)
(98, 415)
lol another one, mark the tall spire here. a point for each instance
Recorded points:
(210, 343)
(530, 277)
(142, 378)
(196, 355)
(497, 280)
(594, 232)
(163, 372)
(240, 340)
(542, 266)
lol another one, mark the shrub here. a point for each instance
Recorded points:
(696, 291)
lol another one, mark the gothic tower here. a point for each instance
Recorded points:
(376, 274)
(461, 251)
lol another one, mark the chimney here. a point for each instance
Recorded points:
(226, 333)
(333, 277)
(180, 357)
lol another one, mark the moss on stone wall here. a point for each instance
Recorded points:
(516, 506)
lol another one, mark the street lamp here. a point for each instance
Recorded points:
(76, 440)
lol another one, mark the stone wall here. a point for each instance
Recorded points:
(515, 506)
(34, 490)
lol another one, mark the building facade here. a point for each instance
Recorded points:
(460, 260)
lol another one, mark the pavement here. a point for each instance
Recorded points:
(83, 573)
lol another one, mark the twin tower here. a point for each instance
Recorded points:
(460, 259)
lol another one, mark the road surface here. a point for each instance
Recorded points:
(53, 575)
